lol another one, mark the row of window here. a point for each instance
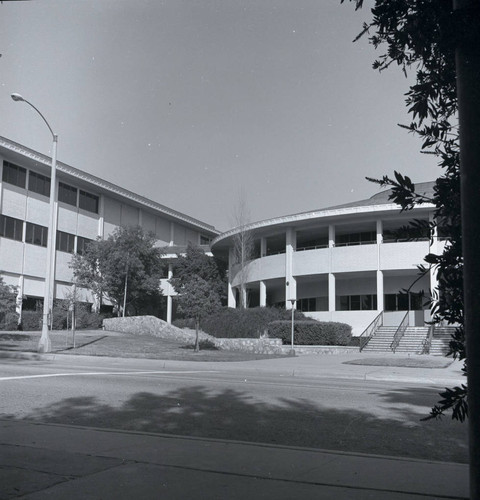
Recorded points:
(368, 302)
(38, 235)
(37, 183)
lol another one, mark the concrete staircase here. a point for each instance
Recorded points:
(441, 339)
(411, 342)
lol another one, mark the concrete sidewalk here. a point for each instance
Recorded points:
(319, 366)
(106, 464)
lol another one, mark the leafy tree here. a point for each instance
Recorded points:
(198, 299)
(199, 282)
(125, 268)
(421, 36)
(195, 262)
(7, 302)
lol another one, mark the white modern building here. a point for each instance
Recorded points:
(337, 264)
(86, 207)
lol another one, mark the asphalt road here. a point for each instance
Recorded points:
(193, 399)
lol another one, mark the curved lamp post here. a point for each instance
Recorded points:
(44, 344)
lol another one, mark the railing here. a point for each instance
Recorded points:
(427, 343)
(400, 332)
(370, 331)
(313, 247)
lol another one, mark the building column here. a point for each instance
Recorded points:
(101, 216)
(19, 298)
(331, 292)
(331, 236)
(290, 281)
(230, 291)
(380, 292)
(169, 295)
(263, 294)
(263, 247)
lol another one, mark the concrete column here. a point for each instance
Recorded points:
(101, 218)
(230, 291)
(172, 233)
(331, 292)
(263, 247)
(263, 294)
(169, 296)
(19, 298)
(380, 292)
(331, 236)
(290, 281)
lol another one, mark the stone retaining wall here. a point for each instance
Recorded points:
(150, 325)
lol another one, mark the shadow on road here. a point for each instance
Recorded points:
(232, 414)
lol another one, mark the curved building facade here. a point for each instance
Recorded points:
(345, 263)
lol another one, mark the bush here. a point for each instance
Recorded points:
(311, 332)
(244, 323)
(32, 320)
(9, 321)
(184, 323)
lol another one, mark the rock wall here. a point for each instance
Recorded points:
(150, 325)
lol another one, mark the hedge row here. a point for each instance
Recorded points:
(32, 320)
(311, 332)
(242, 323)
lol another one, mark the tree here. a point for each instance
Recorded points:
(7, 303)
(199, 281)
(198, 299)
(420, 36)
(441, 40)
(243, 246)
(125, 268)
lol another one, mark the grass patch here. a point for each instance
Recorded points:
(402, 362)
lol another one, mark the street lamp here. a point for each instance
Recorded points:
(44, 344)
(292, 352)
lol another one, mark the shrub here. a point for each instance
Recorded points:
(32, 320)
(9, 321)
(244, 323)
(311, 332)
(184, 323)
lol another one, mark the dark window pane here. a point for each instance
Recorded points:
(344, 303)
(355, 302)
(11, 228)
(390, 302)
(88, 202)
(13, 174)
(39, 183)
(65, 242)
(36, 235)
(416, 301)
(402, 302)
(82, 244)
(67, 194)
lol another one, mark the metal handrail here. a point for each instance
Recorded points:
(427, 343)
(400, 332)
(370, 331)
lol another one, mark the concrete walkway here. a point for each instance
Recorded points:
(103, 464)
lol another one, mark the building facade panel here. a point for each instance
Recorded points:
(354, 258)
(308, 262)
(14, 202)
(35, 261)
(407, 255)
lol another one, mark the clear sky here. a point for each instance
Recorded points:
(193, 102)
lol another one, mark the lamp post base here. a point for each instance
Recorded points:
(44, 344)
